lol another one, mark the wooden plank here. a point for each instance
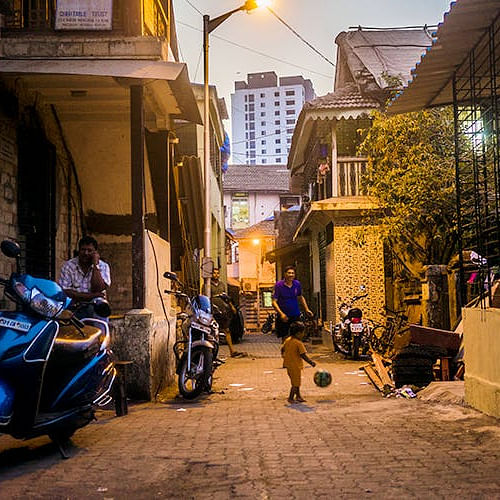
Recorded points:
(424, 335)
(382, 371)
(374, 378)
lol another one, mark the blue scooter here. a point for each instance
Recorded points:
(54, 368)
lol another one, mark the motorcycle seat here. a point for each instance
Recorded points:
(70, 339)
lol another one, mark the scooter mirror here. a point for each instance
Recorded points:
(101, 307)
(170, 276)
(10, 249)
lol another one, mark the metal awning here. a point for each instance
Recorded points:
(164, 79)
(461, 30)
(321, 212)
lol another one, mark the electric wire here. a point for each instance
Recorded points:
(256, 51)
(194, 7)
(198, 64)
(299, 36)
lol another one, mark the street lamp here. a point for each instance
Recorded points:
(210, 25)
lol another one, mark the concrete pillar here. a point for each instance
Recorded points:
(435, 299)
(147, 341)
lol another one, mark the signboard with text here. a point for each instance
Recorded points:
(84, 14)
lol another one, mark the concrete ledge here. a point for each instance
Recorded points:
(482, 395)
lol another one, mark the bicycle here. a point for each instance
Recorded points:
(396, 324)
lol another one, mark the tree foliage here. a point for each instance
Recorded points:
(411, 172)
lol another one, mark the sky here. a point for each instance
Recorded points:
(257, 41)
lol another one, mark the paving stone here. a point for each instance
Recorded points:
(345, 442)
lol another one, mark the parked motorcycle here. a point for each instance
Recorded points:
(231, 315)
(351, 335)
(54, 368)
(196, 353)
(267, 327)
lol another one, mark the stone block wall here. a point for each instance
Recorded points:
(8, 196)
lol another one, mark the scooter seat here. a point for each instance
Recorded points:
(70, 340)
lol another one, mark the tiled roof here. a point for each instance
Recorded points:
(262, 228)
(344, 98)
(257, 178)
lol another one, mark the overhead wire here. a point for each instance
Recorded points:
(194, 7)
(256, 51)
(299, 36)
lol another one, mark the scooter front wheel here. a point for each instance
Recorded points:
(193, 379)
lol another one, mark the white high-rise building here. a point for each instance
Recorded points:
(263, 116)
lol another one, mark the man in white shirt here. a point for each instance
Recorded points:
(85, 277)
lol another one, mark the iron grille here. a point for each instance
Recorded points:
(476, 88)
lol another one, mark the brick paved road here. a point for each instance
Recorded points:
(246, 441)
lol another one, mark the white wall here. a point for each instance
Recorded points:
(261, 206)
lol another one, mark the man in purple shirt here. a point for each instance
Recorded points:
(286, 297)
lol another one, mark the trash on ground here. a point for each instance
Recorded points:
(403, 392)
(246, 389)
(181, 409)
(236, 385)
(268, 371)
(102, 489)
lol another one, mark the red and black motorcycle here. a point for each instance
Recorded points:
(351, 335)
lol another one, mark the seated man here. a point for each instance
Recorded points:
(85, 277)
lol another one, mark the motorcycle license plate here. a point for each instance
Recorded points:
(15, 325)
(356, 327)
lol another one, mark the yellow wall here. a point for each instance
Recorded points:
(101, 151)
(159, 248)
(249, 257)
(482, 359)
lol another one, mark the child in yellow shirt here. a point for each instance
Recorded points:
(293, 352)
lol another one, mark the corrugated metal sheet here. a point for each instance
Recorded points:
(461, 30)
(391, 52)
(189, 187)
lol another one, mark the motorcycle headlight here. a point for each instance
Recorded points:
(41, 304)
(205, 318)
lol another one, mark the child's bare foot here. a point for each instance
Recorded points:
(300, 400)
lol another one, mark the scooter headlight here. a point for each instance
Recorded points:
(41, 304)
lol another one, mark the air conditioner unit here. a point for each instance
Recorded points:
(249, 286)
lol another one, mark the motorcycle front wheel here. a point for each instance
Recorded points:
(194, 379)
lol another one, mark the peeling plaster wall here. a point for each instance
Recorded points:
(102, 153)
(146, 336)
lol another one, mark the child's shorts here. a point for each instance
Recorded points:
(294, 374)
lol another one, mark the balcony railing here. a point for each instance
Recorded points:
(40, 16)
(350, 171)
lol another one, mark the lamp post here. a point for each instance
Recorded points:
(210, 25)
